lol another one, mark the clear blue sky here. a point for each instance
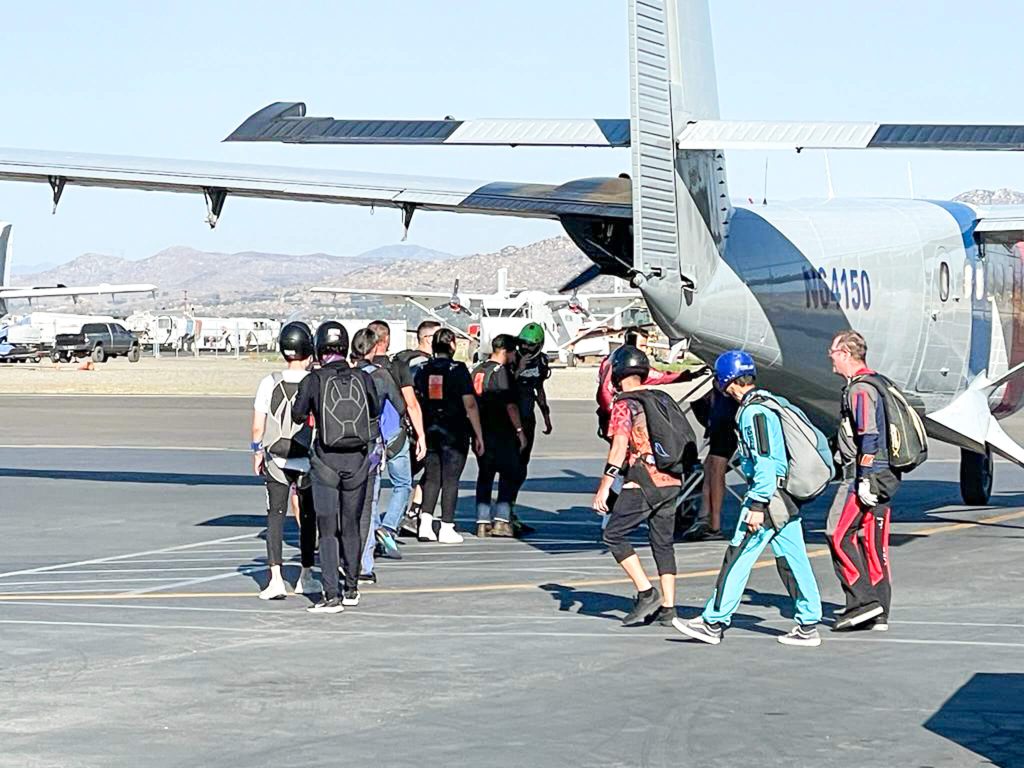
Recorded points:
(172, 79)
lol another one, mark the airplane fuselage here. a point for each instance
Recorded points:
(937, 302)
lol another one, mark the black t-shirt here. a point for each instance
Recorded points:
(722, 418)
(495, 389)
(440, 384)
(528, 381)
(403, 365)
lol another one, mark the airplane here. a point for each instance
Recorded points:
(7, 292)
(572, 327)
(936, 287)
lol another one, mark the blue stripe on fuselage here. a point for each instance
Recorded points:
(981, 317)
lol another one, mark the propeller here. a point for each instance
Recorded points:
(455, 302)
(588, 275)
(574, 305)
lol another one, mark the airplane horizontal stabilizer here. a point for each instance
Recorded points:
(766, 135)
(286, 121)
(968, 422)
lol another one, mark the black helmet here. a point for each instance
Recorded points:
(629, 361)
(295, 341)
(331, 339)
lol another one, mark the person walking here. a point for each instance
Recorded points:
(769, 516)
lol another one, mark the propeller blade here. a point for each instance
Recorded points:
(588, 275)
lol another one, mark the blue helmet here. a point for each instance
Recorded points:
(731, 365)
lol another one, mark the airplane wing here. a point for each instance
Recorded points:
(387, 297)
(286, 121)
(605, 197)
(760, 134)
(75, 291)
(608, 302)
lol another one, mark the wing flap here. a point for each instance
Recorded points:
(286, 121)
(793, 135)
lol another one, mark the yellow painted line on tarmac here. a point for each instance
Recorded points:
(508, 587)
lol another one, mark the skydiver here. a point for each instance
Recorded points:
(858, 527)
(648, 495)
(281, 457)
(451, 418)
(768, 517)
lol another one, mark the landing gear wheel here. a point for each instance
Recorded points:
(976, 470)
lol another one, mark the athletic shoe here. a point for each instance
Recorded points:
(502, 530)
(308, 584)
(426, 529)
(367, 578)
(409, 525)
(702, 531)
(664, 616)
(643, 606)
(350, 597)
(483, 530)
(699, 629)
(275, 590)
(858, 616)
(801, 635)
(449, 535)
(387, 544)
(327, 606)
(881, 624)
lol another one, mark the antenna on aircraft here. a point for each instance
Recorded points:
(828, 179)
(764, 200)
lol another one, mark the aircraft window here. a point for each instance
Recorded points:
(944, 281)
(968, 280)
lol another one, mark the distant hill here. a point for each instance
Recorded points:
(991, 197)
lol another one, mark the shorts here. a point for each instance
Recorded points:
(723, 440)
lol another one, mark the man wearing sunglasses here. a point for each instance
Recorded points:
(858, 523)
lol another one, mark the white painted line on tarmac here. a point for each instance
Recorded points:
(139, 570)
(616, 634)
(179, 548)
(201, 580)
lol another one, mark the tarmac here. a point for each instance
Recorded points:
(130, 631)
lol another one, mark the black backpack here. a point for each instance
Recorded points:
(667, 427)
(345, 422)
(907, 439)
(441, 411)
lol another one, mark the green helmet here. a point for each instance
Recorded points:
(532, 334)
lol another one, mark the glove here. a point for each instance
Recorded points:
(865, 493)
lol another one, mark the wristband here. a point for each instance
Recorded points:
(256, 446)
(611, 470)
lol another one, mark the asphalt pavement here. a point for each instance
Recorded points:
(130, 632)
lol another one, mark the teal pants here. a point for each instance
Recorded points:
(791, 559)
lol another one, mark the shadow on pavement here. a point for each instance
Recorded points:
(986, 716)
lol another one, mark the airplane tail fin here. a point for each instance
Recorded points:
(6, 236)
(680, 200)
(5, 253)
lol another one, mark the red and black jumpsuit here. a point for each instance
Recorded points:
(858, 535)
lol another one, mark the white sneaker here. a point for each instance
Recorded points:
(881, 625)
(308, 584)
(426, 531)
(449, 535)
(275, 590)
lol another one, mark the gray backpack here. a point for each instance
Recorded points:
(282, 437)
(811, 467)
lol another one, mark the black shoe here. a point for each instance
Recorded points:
(643, 606)
(857, 616)
(664, 616)
(367, 578)
(702, 531)
(520, 529)
(410, 525)
(327, 606)
(351, 597)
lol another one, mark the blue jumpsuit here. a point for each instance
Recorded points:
(763, 462)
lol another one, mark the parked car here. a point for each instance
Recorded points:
(100, 341)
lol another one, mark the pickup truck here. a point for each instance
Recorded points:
(100, 341)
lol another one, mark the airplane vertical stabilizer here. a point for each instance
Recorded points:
(680, 201)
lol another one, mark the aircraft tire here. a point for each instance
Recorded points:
(976, 470)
